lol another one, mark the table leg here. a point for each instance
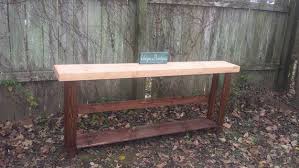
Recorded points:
(212, 96)
(224, 98)
(70, 117)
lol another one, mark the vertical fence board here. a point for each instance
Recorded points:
(5, 62)
(280, 33)
(36, 34)
(34, 30)
(80, 34)
(17, 35)
(66, 32)
(129, 30)
(94, 31)
(110, 40)
(244, 37)
(128, 42)
(181, 32)
(50, 32)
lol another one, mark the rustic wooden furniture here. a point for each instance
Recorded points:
(70, 74)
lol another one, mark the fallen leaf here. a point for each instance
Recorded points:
(127, 125)
(161, 165)
(269, 128)
(227, 125)
(27, 143)
(122, 157)
(9, 88)
(262, 112)
(222, 139)
(45, 149)
(49, 140)
(236, 145)
(163, 156)
(262, 164)
(294, 143)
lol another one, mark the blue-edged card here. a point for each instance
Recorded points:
(153, 57)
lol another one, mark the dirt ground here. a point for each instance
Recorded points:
(260, 130)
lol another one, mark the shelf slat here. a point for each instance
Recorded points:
(140, 104)
(124, 134)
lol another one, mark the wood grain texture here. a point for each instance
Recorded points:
(139, 104)
(5, 61)
(29, 76)
(80, 31)
(121, 135)
(212, 96)
(35, 36)
(70, 117)
(17, 35)
(224, 98)
(242, 32)
(66, 32)
(77, 72)
(278, 6)
(49, 13)
(245, 37)
(283, 79)
(141, 43)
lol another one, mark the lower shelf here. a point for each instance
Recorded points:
(121, 135)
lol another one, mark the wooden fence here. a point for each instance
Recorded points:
(36, 34)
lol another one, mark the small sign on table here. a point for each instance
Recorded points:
(153, 58)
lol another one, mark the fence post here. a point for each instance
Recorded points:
(141, 45)
(286, 56)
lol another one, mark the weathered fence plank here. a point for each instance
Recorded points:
(17, 35)
(66, 32)
(278, 6)
(245, 37)
(285, 58)
(80, 32)
(110, 39)
(50, 32)
(35, 34)
(94, 31)
(5, 63)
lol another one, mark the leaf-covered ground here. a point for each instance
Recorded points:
(260, 130)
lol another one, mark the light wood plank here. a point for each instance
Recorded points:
(75, 72)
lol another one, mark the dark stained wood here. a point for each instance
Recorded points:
(120, 135)
(212, 96)
(224, 98)
(70, 117)
(139, 104)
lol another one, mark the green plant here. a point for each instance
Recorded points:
(16, 87)
(237, 91)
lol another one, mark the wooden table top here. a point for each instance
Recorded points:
(78, 72)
